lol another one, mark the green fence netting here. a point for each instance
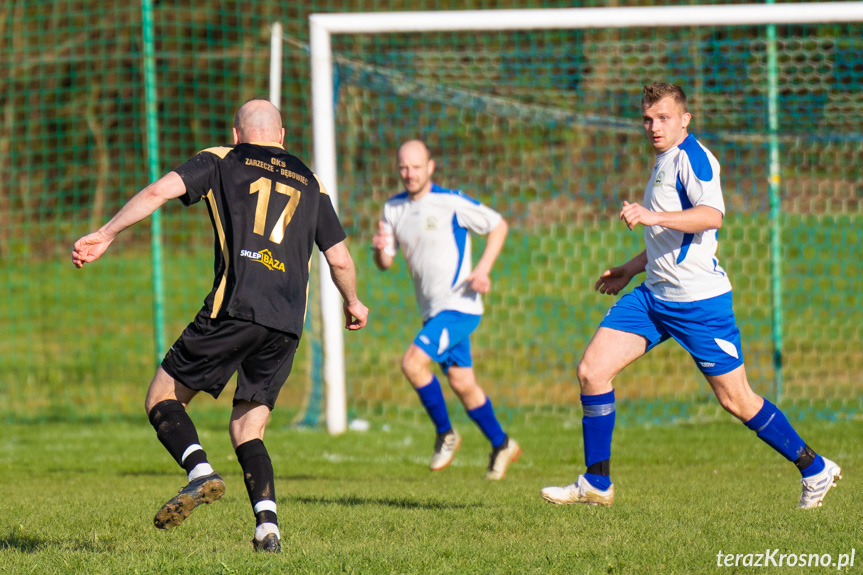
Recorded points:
(544, 126)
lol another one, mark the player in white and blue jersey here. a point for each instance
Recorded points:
(686, 296)
(432, 226)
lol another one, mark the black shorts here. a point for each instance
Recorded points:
(210, 351)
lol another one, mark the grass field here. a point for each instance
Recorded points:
(80, 499)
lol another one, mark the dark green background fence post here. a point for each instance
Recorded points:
(775, 209)
(153, 166)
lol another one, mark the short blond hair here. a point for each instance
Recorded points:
(653, 93)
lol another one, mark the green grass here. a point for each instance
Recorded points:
(80, 499)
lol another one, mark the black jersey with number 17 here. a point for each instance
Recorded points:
(268, 211)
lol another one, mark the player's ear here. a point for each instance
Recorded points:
(282, 136)
(236, 136)
(686, 117)
(431, 167)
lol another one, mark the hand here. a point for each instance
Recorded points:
(479, 281)
(382, 237)
(613, 280)
(634, 214)
(90, 248)
(356, 315)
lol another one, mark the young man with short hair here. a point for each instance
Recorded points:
(686, 296)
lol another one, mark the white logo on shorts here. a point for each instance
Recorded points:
(727, 347)
(706, 364)
(444, 341)
(425, 339)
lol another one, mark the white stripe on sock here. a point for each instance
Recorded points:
(190, 450)
(763, 427)
(265, 505)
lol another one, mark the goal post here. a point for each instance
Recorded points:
(324, 26)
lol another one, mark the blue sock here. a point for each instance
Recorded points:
(432, 399)
(597, 425)
(773, 428)
(485, 419)
(817, 467)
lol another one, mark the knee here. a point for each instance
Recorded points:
(735, 394)
(412, 366)
(590, 380)
(407, 366)
(155, 397)
(743, 407)
(248, 424)
(241, 433)
(151, 401)
(461, 385)
(235, 430)
(729, 404)
(163, 387)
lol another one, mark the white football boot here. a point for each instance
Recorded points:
(579, 492)
(817, 486)
(445, 446)
(501, 458)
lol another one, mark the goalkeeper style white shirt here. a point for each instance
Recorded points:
(433, 232)
(683, 267)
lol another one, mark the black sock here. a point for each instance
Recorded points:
(258, 475)
(600, 468)
(177, 433)
(807, 457)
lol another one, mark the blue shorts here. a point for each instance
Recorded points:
(706, 328)
(446, 338)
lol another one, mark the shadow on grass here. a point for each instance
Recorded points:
(178, 473)
(399, 503)
(301, 477)
(233, 473)
(26, 543)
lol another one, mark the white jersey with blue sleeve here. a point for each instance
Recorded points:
(682, 267)
(434, 234)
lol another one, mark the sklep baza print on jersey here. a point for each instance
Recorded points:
(265, 257)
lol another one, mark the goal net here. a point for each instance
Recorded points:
(544, 126)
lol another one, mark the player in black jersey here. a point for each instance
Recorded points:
(268, 211)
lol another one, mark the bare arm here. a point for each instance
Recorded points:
(344, 276)
(615, 279)
(691, 221)
(90, 247)
(479, 278)
(382, 260)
